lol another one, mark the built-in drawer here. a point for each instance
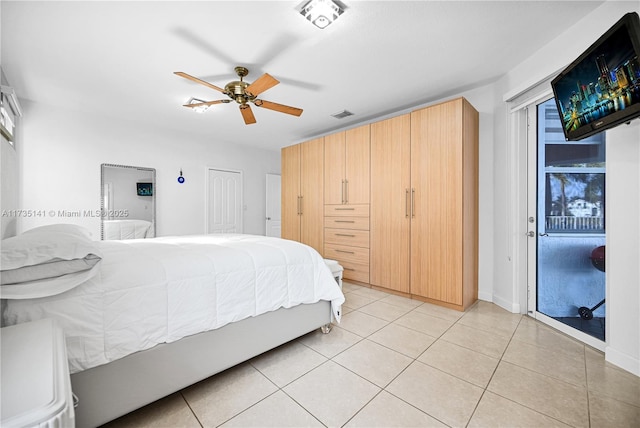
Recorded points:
(345, 253)
(358, 223)
(361, 210)
(353, 238)
(355, 271)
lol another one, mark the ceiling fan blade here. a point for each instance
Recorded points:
(263, 83)
(247, 114)
(208, 103)
(195, 79)
(278, 107)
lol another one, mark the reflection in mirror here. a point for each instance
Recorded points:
(128, 196)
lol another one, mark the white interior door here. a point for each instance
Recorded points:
(224, 201)
(273, 207)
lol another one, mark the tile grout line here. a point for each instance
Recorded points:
(524, 368)
(191, 409)
(484, 390)
(586, 382)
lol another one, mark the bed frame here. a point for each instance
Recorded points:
(111, 390)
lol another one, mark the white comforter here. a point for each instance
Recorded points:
(127, 229)
(159, 290)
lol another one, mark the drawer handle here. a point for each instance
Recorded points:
(343, 251)
(346, 268)
(344, 209)
(345, 221)
(345, 234)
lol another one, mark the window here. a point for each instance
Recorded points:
(7, 119)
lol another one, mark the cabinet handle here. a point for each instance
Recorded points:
(413, 202)
(344, 209)
(342, 192)
(301, 204)
(346, 268)
(345, 234)
(406, 203)
(345, 221)
(343, 251)
(346, 191)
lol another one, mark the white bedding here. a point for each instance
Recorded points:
(151, 291)
(127, 229)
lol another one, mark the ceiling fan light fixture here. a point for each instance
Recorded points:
(200, 109)
(321, 13)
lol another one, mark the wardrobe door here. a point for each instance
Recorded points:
(436, 181)
(290, 172)
(390, 203)
(311, 191)
(357, 165)
(334, 160)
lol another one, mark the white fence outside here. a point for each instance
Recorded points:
(574, 224)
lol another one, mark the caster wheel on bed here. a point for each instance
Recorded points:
(325, 329)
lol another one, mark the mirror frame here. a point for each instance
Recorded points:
(103, 208)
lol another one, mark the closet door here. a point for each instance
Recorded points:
(290, 172)
(311, 191)
(436, 180)
(357, 165)
(390, 203)
(334, 160)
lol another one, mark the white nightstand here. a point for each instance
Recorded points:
(36, 387)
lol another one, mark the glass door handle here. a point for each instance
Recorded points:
(543, 234)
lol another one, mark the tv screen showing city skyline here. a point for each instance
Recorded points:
(606, 80)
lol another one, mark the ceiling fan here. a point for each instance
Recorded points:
(244, 93)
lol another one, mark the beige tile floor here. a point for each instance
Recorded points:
(395, 362)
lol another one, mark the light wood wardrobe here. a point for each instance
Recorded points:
(346, 199)
(397, 201)
(424, 204)
(302, 193)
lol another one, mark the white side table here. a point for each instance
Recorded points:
(36, 387)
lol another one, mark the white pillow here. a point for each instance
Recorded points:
(47, 287)
(47, 253)
(52, 269)
(72, 229)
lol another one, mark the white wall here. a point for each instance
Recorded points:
(623, 246)
(623, 164)
(9, 188)
(62, 152)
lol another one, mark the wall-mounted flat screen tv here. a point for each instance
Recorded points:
(145, 189)
(601, 88)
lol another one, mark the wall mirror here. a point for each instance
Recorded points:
(128, 202)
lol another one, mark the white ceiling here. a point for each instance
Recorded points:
(117, 58)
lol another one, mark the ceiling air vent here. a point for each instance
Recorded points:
(342, 114)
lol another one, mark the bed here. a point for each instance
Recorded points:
(153, 316)
(127, 229)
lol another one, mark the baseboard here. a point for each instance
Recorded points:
(621, 360)
(487, 297)
(507, 305)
